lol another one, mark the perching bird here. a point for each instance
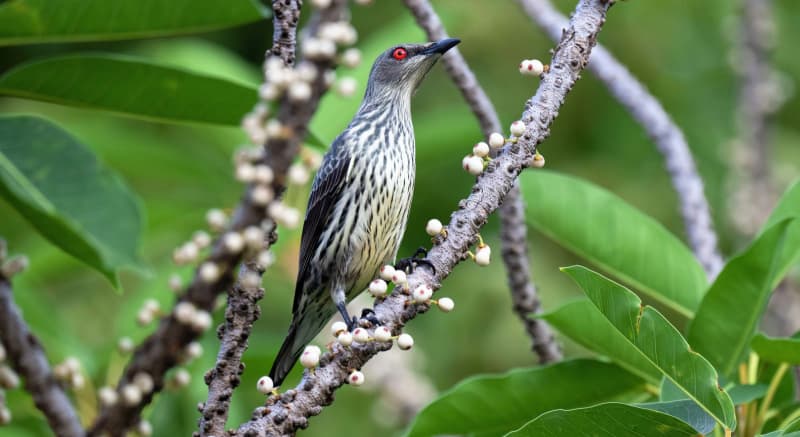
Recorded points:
(360, 199)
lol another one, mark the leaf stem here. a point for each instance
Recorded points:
(773, 387)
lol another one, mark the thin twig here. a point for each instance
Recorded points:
(513, 231)
(242, 309)
(290, 411)
(163, 349)
(29, 360)
(668, 137)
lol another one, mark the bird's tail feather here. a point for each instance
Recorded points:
(287, 356)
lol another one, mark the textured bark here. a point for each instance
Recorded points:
(668, 137)
(514, 232)
(285, 16)
(29, 360)
(285, 414)
(161, 350)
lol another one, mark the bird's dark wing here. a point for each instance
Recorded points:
(327, 188)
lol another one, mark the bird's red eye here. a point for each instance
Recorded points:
(399, 53)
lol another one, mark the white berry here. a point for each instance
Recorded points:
(360, 335)
(209, 272)
(422, 293)
(517, 128)
(264, 174)
(446, 304)
(523, 66)
(534, 67)
(201, 239)
(233, 242)
(265, 385)
(253, 237)
(193, 350)
(265, 259)
(346, 86)
(378, 288)
(496, 140)
(298, 174)
(184, 312)
(144, 428)
(181, 378)
(405, 341)
(399, 277)
(351, 58)
(338, 327)
(345, 338)
(202, 321)
(483, 255)
(299, 91)
(383, 334)
(355, 378)
(310, 357)
(481, 149)
(473, 165)
(107, 396)
(537, 161)
(434, 227)
(144, 381)
(245, 172)
(387, 272)
(216, 219)
(131, 395)
(261, 195)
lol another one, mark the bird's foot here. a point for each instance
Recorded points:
(369, 315)
(417, 259)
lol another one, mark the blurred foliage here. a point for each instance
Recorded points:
(681, 51)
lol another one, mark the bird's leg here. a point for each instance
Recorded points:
(418, 258)
(340, 299)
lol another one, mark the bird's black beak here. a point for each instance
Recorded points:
(441, 46)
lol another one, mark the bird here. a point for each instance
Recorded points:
(360, 199)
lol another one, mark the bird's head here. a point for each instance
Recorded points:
(401, 68)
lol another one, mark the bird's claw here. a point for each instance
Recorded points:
(417, 259)
(369, 315)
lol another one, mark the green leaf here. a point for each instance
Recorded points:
(604, 229)
(788, 207)
(131, 86)
(687, 411)
(745, 393)
(41, 21)
(606, 420)
(658, 341)
(729, 314)
(585, 324)
(777, 349)
(58, 185)
(501, 403)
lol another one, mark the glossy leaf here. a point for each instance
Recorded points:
(658, 341)
(501, 403)
(729, 314)
(584, 323)
(607, 231)
(687, 411)
(606, 420)
(58, 185)
(788, 207)
(777, 349)
(131, 86)
(40, 21)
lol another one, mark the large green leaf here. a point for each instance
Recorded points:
(777, 349)
(606, 420)
(788, 207)
(658, 341)
(584, 323)
(58, 185)
(729, 314)
(606, 230)
(131, 86)
(39, 21)
(501, 403)
(687, 411)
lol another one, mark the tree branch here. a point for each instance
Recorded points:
(290, 411)
(242, 309)
(29, 360)
(163, 349)
(513, 231)
(667, 136)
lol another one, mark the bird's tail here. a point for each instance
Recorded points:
(290, 351)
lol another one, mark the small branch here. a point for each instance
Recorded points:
(242, 309)
(290, 411)
(285, 16)
(514, 232)
(163, 349)
(29, 360)
(667, 136)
